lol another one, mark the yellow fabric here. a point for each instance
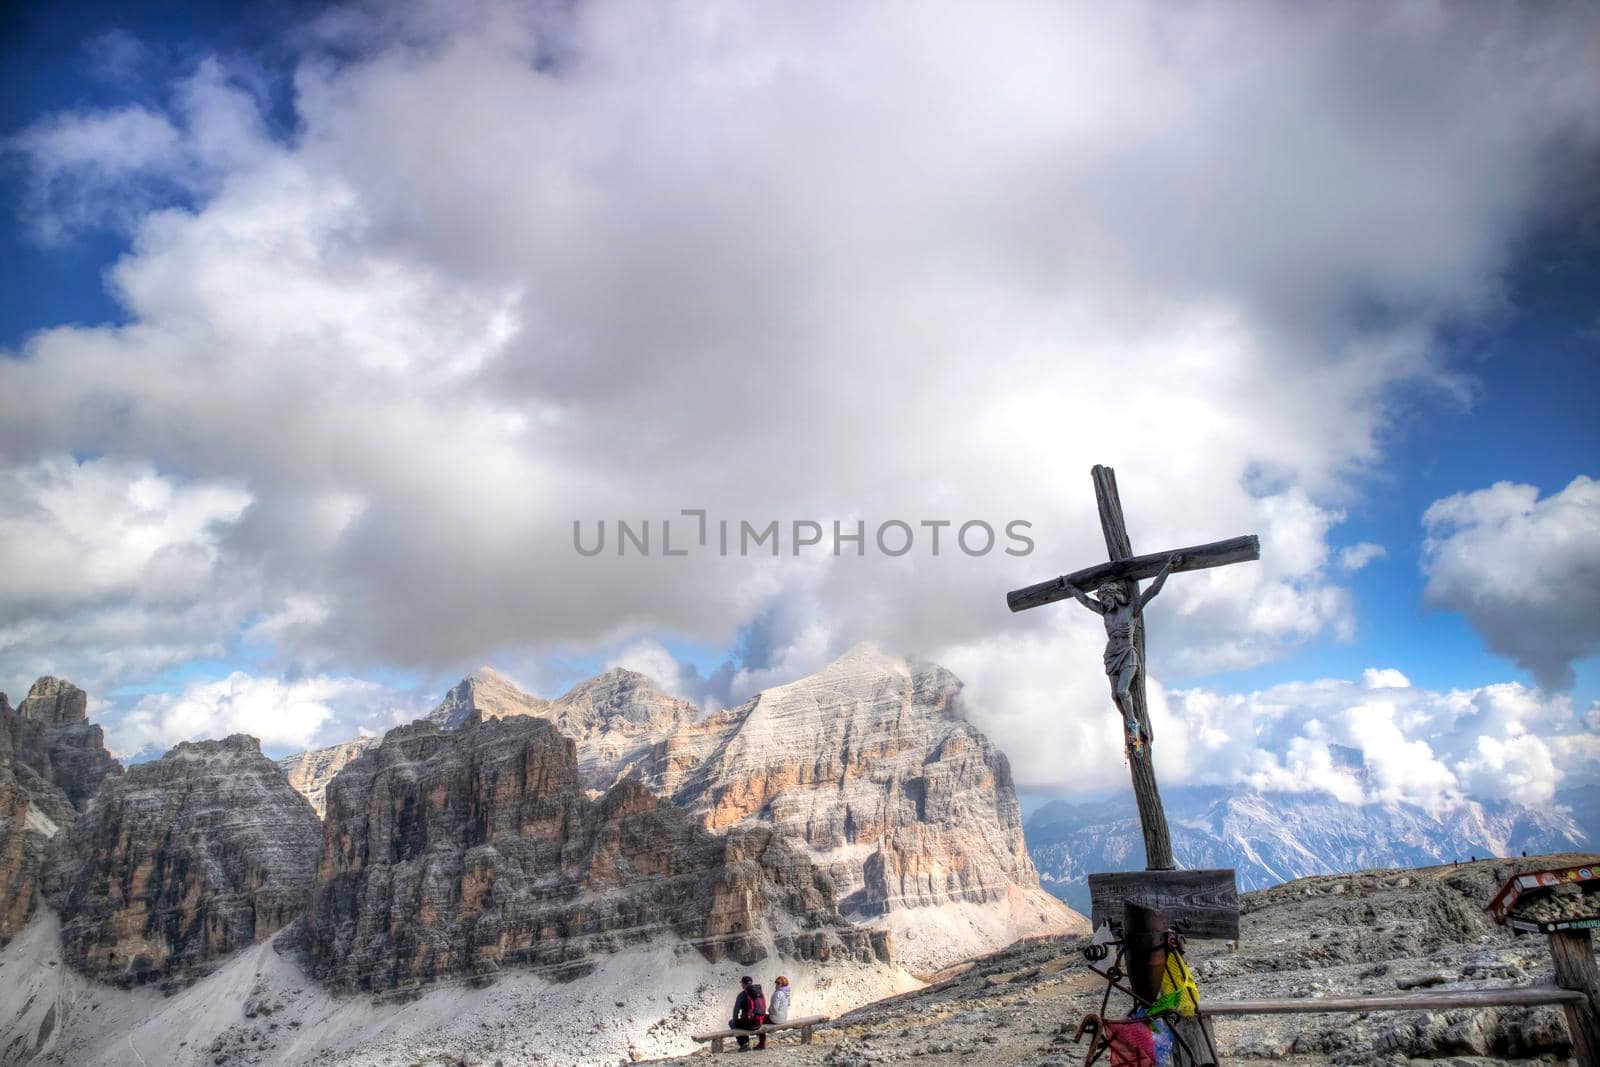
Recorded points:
(1178, 979)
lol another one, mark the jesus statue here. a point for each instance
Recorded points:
(1121, 617)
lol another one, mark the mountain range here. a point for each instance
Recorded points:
(869, 766)
(1274, 837)
(851, 828)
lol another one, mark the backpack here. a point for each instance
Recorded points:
(758, 1004)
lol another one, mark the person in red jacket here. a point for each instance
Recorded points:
(749, 1012)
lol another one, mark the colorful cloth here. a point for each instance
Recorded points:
(1178, 983)
(1131, 1044)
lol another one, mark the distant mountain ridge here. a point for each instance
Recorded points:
(1274, 837)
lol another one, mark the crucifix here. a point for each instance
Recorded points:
(1119, 603)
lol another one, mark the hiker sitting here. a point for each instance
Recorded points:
(778, 1007)
(749, 1012)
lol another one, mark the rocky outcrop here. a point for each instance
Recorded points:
(55, 702)
(463, 852)
(63, 745)
(310, 772)
(51, 762)
(182, 861)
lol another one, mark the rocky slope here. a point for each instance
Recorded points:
(180, 862)
(52, 760)
(310, 772)
(467, 852)
(1274, 837)
(1371, 932)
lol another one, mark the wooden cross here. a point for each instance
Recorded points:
(1126, 570)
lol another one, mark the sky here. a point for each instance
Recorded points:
(333, 334)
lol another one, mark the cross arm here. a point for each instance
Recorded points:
(1137, 568)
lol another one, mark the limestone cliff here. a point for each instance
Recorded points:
(872, 765)
(181, 861)
(51, 762)
(310, 772)
(464, 852)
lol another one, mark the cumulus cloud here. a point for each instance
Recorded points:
(109, 569)
(1384, 678)
(1396, 743)
(1524, 571)
(283, 716)
(519, 267)
(1376, 739)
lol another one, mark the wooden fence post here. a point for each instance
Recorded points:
(1573, 951)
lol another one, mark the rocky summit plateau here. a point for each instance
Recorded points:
(1370, 932)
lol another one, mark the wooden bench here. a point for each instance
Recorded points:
(803, 1024)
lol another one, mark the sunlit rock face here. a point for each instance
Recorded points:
(52, 761)
(310, 772)
(871, 764)
(182, 861)
(460, 852)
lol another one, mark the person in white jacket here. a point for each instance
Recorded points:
(778, 1006)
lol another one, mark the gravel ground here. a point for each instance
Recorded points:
(1370, 932)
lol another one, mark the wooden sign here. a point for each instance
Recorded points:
(1203, 905)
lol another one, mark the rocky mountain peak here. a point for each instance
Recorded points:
(55, 702)
(619, 698)
(487, 694)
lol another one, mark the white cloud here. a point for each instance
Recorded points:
(1375, 740)
(1524, 571)
(110, 570)
(1384, 678)
(283, 715)
(518, 268)
(1353, 557)
(1520, 768)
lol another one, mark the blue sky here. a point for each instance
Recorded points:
(1460, 350)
